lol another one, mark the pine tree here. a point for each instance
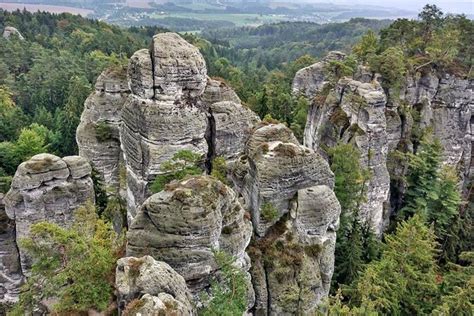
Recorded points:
(422, 178)
(404, 281)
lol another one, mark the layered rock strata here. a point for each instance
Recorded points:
(381, 121)
(288, 190)
(10, 269)
(184, 224)
(149, 287)
(47, 188)
(97, 135)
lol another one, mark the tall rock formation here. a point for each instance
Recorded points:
(47, 188)
(379, 121)
(288, 190)
(168, 104)
(183, 224)
(149, 287)
(10, 270)
(98, 132)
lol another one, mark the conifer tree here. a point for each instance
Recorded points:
(404, 281)
(422, 178)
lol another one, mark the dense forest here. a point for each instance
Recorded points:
(423, 264)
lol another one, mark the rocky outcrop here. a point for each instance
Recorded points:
(379, 121)
(288, 189)
(445, 104)
(10, 31)
(10, 270)
(47, 188)
(185, 223)
(310, 80)
(98, 132)
(232, 124)
(151, 287)
(174, 106)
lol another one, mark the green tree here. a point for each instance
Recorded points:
(74, 265)
(391, 64)
(228, 295)
(182, 164)
(422, 178)
(404, 281)
(69, 117)
(367, 47)
(219, 169)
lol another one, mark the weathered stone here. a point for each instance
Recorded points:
(217, 91)
(10, 270)
(288, 189)
(274, 170)
(98, 132)
(179, 70)
(185, 223)
(311, 80)
(155, 284)
(140, 74)
(47, 188)
(10, 30)
(152, 132)
(232, 125)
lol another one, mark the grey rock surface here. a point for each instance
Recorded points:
(11, 277)
(97, 135)
(47, 188)
(288, 190)
(8, 31)
(155, 283)
(179, 69)
(185, 223)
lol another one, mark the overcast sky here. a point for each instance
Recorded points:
(454, 6)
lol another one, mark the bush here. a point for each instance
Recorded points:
(269, 212)
(74, 266)
(219, 170)
(182, 164)
(228, 296)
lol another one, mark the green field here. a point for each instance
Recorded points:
(237, 19)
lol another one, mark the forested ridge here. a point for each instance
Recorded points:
(423, 264)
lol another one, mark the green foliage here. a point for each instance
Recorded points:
(391, 65)
(228, 294)
(367, 47)
(457, 289)
(404, 281)
(422, 178)
(103, 132)
(73, 265)
(269, 212)
(32, 140)
(219, 169)
(100, 192)
(349, 175)
(68, 118)
(183, 163)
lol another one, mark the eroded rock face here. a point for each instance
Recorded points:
(183, 224)
(232, 125)
(10, 270)
(445, 104)
(47, 188)
(153, 287)
(97, 135)
(288, 189)
(311, 80)
(379, 122)
(174, 106)
(10, 30)
(274, 168)
(179, 69)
